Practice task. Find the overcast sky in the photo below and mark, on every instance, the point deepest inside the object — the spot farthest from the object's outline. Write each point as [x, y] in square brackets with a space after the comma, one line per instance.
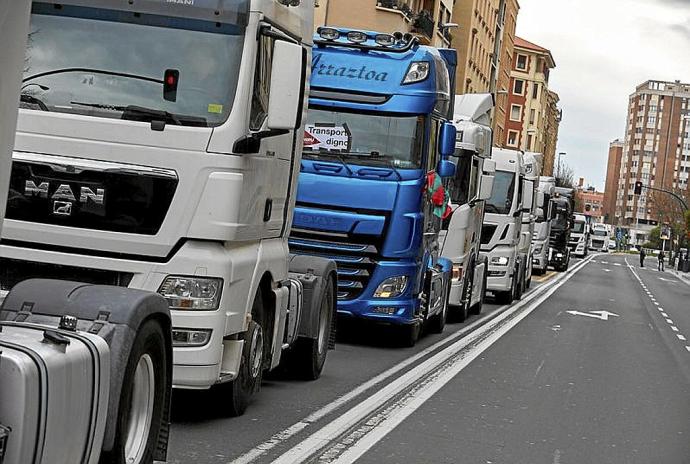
[603, 50]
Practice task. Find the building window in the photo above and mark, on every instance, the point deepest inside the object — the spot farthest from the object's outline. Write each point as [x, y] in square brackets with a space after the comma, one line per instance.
[512, 138]
[535, 90]
[518, 87]
[515, 112]
[532, 116]
[521, 63]
[529, 142]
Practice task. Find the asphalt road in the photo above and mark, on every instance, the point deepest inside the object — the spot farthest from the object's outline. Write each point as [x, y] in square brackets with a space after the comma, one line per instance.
[529, 383]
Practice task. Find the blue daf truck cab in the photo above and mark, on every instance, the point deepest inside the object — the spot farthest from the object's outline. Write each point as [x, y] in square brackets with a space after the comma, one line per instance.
[370, 192]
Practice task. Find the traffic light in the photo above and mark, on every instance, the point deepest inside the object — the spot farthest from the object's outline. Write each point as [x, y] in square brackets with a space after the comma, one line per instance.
[638, 188]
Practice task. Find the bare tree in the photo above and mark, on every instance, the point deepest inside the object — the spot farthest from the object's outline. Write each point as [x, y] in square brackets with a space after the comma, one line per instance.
[565, 177]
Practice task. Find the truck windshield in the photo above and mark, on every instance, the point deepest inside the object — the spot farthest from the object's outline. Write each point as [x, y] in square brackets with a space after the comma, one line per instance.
[579, 227]
[501, 200]
[104, 62]
[599, 233]
[365, 139]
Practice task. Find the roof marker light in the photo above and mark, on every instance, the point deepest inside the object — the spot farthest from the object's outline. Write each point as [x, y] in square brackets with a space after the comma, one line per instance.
[328, 33]
[357, 37]
[385, 40]
[417, 72]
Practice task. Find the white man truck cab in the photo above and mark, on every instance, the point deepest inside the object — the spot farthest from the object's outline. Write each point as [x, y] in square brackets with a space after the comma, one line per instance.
[533, 163]
[158, 148]
[471, 186]
[502, 227]
[579, 236]
[599, 238]
[542, 228]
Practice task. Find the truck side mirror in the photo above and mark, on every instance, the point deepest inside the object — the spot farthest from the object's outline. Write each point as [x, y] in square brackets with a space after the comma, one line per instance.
[447, 136]
[528, 196]
[486, 186]
[446, 168]
[286, 86]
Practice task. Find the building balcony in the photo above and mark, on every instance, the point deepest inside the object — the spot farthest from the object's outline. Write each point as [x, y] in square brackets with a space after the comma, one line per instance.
[400, 5]
[423, 24]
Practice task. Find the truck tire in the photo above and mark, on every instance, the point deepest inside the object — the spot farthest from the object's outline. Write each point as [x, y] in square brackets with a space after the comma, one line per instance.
[520, 284]
[437, 323]
[309, 355]
[461, 312]
[238, 393]
[477, 309]
[142, 400]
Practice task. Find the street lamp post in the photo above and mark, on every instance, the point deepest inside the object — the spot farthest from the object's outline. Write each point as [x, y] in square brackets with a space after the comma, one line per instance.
[558, 173]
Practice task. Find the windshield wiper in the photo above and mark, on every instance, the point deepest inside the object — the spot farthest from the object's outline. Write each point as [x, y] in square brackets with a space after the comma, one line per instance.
[337, 156]
[388, 161]
[94, 71]
[143, 114]
[32, 100]
[490, 208]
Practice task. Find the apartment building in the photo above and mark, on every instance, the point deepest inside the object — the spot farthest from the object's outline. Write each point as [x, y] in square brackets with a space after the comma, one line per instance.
[613, 173]
[656, 152]
[506, 49]
[424, 18]
[532, 116]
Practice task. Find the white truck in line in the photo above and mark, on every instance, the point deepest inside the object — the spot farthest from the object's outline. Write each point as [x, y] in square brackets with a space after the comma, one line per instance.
[533, 163]
[600, 238]
[542, 229]
[157, 148]
[502, 229]
[469, 189]
[579, 236]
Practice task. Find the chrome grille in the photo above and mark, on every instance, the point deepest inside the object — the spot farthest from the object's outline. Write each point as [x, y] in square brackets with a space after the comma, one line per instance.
[355, 258]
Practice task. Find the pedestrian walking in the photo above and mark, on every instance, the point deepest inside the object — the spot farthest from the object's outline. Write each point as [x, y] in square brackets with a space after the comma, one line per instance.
[643, 255]
[661, 262]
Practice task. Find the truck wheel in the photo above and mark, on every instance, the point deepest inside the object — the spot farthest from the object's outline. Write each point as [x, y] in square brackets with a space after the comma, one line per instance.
[477, 309]
[142, 400]
[520, 284]
[461, 312]
[438, 322]
[248, 381]
[309, 355]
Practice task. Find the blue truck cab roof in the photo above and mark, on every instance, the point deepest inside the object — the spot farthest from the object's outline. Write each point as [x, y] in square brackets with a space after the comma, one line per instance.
[369, 77]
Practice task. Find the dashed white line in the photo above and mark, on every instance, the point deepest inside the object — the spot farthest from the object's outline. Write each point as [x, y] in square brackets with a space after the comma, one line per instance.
[669, 321]
[681, 337]
[674, 328]
[687, 348]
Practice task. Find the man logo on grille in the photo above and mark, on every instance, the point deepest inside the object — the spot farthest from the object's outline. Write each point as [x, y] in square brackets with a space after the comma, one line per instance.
[62, 208]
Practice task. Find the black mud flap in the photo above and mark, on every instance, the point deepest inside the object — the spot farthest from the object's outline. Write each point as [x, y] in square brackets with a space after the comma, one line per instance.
[315, 273]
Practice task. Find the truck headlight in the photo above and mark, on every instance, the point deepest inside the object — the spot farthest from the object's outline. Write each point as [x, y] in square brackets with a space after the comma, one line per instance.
[500, 261]
[417, 72]
[391, 287]
[193, 293]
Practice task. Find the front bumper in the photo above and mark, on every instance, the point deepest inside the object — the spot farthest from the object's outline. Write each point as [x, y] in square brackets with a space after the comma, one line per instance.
[193, 367]
[402, 310]
[500, 278]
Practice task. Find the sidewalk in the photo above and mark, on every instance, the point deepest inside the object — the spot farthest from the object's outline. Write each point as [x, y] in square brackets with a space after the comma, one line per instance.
[684, 276]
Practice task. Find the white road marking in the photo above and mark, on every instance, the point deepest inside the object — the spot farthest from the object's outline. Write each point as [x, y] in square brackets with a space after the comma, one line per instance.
[617, 264]
[604, 262]
[286, 434]
[602, 315]
[606, 270]
[661, 310]
[426, 379]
